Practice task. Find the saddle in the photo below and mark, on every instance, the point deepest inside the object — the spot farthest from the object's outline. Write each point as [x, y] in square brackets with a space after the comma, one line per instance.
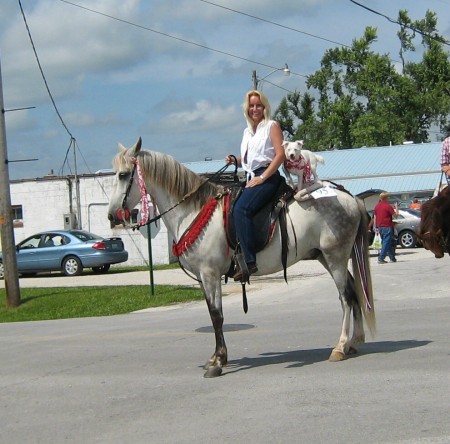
[265, 220]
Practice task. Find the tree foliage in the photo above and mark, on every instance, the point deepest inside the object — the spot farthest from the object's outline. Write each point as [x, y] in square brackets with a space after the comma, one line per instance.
[361, 98]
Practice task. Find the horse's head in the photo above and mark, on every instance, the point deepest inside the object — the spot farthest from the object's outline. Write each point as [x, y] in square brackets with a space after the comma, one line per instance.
[434, 226]
[126, 193]
[433, 242]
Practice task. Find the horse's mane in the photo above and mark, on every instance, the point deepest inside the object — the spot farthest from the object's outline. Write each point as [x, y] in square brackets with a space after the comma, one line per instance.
[168, 173]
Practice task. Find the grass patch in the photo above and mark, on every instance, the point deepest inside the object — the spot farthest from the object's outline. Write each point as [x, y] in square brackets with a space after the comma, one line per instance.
[172, 266]
[79, 302]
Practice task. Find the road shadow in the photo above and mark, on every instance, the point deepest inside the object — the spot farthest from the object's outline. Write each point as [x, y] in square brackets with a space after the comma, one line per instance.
[301, 358]
[226, 328]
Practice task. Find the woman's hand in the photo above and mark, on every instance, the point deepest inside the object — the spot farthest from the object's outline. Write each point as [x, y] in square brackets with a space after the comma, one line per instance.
[257, 180]
[229, 160]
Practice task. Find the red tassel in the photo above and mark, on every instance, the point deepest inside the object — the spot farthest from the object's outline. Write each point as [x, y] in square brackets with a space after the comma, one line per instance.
[191, 235]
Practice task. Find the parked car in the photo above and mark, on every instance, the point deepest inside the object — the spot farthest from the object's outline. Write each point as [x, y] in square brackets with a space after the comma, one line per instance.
[407, 224]
[67, 250]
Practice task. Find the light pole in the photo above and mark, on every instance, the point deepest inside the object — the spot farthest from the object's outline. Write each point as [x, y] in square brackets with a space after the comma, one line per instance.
[257, 81]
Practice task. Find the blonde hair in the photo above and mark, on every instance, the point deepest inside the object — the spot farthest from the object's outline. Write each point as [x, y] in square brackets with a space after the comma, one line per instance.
[384, 196]
[264, 101]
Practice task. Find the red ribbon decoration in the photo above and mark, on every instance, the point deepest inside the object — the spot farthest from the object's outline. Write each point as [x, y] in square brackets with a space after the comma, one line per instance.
[194, 230]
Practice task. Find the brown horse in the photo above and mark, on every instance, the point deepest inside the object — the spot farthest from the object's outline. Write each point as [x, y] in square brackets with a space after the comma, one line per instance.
[434, 228]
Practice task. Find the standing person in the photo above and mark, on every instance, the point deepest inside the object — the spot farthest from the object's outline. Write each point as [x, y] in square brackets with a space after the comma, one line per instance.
[445, 156]
[262, 154]
[415, 204]
[383, 220]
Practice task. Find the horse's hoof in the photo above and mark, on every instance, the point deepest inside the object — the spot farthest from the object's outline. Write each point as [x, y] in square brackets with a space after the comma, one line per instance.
[213, 372]
[336, 356]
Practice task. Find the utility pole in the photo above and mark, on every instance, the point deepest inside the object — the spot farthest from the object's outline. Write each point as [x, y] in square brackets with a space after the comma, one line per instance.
[256, 81]
[6, 220]
[77, 185]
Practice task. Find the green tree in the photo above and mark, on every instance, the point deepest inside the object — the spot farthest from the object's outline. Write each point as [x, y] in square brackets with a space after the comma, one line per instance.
[361, 98]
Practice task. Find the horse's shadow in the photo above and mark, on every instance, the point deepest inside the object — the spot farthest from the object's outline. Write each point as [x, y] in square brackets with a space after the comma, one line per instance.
[301, 358]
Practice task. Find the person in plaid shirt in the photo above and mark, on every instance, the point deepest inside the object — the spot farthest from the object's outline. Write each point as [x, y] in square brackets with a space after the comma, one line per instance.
[445, 156]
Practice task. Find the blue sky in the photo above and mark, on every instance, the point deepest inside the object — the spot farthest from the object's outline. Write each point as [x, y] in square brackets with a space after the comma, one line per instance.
[135, 75]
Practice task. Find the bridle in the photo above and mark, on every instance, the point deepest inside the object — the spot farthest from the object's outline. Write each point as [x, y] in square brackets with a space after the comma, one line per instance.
[123, 210]
[130, 183]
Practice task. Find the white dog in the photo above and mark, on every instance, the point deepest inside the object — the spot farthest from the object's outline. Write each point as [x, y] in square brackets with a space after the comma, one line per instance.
[301, 163]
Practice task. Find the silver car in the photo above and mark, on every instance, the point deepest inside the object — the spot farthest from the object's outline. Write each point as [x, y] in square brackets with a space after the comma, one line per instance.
[67, 250]
[406, 226]
[407, 223]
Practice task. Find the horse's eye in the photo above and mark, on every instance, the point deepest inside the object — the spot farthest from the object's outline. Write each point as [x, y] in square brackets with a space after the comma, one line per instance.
[123, 175]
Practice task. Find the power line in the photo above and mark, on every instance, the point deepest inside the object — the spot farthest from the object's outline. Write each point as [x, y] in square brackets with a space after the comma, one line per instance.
[165, 34]
[437, 39]
[275, 24]
[42, 72]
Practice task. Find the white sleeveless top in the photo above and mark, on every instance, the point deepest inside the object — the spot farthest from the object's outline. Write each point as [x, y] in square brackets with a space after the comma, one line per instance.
[257, 149]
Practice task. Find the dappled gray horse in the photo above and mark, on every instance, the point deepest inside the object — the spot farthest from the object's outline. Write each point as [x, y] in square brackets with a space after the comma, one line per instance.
[331, 230]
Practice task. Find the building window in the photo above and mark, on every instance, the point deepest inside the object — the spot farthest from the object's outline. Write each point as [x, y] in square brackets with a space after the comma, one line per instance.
[17, 212]
[17, 215]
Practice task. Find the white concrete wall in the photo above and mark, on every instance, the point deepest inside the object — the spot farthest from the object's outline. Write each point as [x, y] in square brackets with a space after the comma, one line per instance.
[45, 202]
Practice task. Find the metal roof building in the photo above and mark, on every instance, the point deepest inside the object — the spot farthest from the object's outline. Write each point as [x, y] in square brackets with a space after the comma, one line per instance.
[399, 169]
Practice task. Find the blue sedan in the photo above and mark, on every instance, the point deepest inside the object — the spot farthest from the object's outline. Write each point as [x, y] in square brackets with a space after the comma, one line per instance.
[67, 250]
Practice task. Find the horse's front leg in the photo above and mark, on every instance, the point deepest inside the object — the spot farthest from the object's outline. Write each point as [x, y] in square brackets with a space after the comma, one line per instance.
[212, 289]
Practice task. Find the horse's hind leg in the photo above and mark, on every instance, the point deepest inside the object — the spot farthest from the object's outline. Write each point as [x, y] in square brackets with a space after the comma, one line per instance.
[340, 275]
[212, 290]
[359, 336]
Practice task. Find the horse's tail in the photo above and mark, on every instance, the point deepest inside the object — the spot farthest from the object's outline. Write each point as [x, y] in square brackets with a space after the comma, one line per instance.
[361, 270]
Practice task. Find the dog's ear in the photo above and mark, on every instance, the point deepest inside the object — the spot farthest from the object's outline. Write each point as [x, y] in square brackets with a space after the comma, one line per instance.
[284, 144]
[300, 143]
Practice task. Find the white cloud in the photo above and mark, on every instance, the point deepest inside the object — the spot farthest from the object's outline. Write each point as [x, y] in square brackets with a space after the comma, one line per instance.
[112, 81]
[203, 116]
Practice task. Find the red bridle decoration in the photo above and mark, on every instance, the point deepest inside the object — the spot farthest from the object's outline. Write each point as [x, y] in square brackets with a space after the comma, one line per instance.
[124, 213]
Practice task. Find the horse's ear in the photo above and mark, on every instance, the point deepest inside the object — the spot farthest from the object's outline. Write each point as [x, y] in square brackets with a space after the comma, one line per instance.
[121, 148]
[134, 150]
[138, 145]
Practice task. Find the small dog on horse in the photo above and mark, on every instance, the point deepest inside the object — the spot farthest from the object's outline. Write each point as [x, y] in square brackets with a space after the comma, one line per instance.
[301, 163]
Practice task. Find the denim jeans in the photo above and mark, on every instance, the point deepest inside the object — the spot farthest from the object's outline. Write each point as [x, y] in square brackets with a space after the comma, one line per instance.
[249, 203]
[386, 234]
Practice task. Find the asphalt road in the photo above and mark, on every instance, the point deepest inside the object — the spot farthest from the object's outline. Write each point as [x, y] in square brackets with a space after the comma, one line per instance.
[137, 378]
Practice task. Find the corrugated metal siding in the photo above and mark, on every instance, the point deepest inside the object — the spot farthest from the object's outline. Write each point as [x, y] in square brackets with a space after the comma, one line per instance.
[395, 185]
[381, 161]
[397, 169]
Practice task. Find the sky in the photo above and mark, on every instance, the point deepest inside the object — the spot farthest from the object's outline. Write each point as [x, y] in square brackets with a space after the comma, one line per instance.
[173, 72]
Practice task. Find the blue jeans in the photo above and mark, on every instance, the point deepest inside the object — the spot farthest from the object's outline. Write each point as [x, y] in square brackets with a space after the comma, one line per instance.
[386, 234]
[249, 203]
